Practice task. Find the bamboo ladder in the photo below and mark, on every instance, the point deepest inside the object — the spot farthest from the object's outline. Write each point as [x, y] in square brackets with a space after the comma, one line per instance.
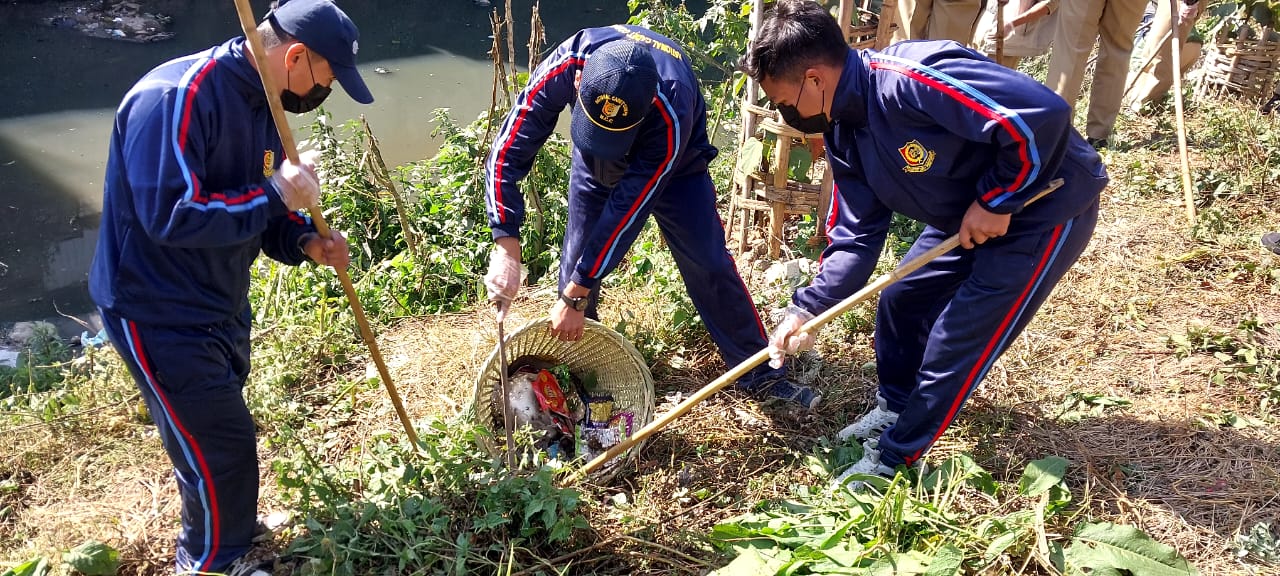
[766, 190]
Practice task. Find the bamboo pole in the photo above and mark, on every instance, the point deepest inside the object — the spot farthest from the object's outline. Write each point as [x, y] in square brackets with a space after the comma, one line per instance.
[758, 358]
[250, 28]
[884, 30]
[1188, 193]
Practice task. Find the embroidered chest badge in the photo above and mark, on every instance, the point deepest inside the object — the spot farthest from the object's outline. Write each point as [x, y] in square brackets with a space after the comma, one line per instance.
[268, 163]
[917, 157]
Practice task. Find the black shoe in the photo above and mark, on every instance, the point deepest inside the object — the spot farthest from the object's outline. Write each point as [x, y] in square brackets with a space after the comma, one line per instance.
[1271, 104]
[787, 391]
[1097, 143]
[1271, 241]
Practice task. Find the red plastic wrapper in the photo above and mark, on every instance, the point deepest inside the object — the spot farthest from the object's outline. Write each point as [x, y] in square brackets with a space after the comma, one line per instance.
[551, 399]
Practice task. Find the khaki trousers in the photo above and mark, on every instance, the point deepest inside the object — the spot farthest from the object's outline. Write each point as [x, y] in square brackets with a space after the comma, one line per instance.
[937, 20]
[1112, 24]
[1152, 84]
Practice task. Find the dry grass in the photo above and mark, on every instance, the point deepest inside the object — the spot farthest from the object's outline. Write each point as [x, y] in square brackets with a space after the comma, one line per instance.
[1158, 463]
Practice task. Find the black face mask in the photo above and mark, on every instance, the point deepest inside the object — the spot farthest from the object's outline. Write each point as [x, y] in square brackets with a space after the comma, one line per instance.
[607, 172]
[816, 124]
[307, 102]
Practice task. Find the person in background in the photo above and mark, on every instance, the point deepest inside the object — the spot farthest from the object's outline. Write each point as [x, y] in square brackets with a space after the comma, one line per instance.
[640, 147]
[1111, 25]
[1029, 26]
[938, 133]
[196, 186]
[937, 20]
[1152, 83]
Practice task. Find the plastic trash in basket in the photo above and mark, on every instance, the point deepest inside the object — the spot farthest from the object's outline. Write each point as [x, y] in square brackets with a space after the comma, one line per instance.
[619, 400]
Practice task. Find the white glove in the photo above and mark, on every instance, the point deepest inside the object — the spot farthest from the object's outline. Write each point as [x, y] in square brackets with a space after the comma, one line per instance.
[297, 184]
[1187, 14]
[786, 340]
[503, 278]
[1009, 29]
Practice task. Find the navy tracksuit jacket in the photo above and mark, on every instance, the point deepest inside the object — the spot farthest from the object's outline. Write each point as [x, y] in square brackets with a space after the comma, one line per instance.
[925, 129]
[665, 174]
[187, 207]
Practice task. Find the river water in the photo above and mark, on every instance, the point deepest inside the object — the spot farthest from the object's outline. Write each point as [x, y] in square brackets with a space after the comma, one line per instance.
[60, 89]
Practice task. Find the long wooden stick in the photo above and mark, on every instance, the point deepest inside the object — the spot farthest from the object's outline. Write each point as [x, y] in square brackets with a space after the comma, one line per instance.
[758, 358]
[1187, 193]
[1000, 31]
[505, 390]
[250, 28]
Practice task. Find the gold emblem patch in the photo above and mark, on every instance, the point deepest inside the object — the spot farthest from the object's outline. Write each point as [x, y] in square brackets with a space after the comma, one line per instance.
[917, 157]
[268, 163]
[610, 106]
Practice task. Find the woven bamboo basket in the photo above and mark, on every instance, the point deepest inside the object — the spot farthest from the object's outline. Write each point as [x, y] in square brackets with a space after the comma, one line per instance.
[1244, 66]
[619, 369]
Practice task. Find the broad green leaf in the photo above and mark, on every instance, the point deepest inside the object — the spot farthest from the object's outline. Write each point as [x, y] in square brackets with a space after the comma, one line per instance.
[947, 561]
[818, 466]
[842, 555]
[798, 164]
[750, 156]
[1113, 548]
[836, 536]
[1042, 474]
[93, 558]
[34, 567]
[1000, 544]
[753, 562]
[913, 562]
[732, 534]
[961, 468]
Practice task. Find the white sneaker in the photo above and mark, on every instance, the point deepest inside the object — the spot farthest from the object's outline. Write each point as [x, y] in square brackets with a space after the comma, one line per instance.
[868, 465]
[243, 566]
[872, 424]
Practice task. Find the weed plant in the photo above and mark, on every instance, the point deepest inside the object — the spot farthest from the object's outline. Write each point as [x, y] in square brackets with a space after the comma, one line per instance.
[449, 508]
[38, 363]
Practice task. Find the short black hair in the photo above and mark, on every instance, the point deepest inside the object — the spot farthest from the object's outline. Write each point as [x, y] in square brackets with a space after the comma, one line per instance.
[795, 35]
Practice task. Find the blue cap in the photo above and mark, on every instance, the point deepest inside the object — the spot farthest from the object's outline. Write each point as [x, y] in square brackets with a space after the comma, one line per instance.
[616, 90]
[325, 29]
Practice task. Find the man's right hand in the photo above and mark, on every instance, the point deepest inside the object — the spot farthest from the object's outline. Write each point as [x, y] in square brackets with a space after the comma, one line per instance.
[503, 278]
[298, 185]
[787, 337]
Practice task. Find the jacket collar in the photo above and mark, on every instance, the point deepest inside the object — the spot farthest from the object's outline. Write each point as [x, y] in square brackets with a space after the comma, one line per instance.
[849, 105]
[233, 55]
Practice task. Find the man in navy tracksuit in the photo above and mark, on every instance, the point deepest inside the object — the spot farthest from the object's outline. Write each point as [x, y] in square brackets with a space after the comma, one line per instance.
[196, 187]
[945, 136]
[640, 147]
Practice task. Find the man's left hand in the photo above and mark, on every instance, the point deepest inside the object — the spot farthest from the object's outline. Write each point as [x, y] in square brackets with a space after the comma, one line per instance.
[1187, 15]
[331, 251]
[979, 225]
[567, 324]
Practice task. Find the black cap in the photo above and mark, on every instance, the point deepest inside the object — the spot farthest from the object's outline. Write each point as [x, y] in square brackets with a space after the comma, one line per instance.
[616, 90]
[326, 29]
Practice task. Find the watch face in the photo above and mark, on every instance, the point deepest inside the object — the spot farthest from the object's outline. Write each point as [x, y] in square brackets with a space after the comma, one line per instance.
[578, 304]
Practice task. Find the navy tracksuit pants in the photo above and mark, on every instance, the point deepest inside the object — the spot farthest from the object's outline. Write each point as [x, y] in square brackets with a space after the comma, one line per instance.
[686, 214]
[191, 378]
[940, 329]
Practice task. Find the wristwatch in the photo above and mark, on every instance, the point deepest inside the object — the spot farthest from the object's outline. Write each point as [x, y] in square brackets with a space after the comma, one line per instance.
[579, 304]
[302, 244]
